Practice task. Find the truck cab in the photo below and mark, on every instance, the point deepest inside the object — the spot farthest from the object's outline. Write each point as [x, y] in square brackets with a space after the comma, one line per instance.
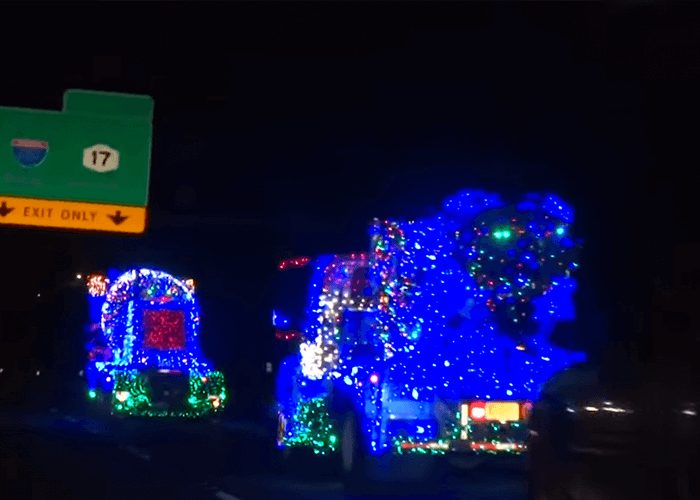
[143, 350]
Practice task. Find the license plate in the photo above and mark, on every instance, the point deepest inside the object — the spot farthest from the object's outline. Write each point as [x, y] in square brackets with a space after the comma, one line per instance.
[502, 411]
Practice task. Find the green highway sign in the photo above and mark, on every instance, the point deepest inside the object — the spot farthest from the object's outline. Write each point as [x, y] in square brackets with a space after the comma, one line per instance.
[92, 157]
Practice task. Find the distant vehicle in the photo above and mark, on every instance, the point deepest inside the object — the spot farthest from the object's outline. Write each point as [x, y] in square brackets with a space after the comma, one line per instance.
[433, 342]
[616, 430]
[143, 353]
[628, 423]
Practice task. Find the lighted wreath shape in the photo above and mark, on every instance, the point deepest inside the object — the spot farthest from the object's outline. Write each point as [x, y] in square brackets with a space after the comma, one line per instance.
[517, 253]
[149, 310]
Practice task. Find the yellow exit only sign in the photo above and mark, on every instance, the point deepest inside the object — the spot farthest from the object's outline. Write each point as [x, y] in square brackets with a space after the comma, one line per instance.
[72, 215]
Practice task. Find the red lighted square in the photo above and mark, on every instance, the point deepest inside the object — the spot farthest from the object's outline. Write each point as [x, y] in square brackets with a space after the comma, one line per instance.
[164, 329]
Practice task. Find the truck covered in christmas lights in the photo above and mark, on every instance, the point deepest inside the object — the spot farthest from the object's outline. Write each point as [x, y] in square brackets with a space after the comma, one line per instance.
[437, 339]
[143, 350]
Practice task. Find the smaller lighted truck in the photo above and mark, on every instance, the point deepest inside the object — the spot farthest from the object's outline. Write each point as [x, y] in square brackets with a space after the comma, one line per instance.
[143, 350]
[435, 341]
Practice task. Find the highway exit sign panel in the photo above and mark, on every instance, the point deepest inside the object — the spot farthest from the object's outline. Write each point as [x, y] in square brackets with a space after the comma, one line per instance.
[85, 167]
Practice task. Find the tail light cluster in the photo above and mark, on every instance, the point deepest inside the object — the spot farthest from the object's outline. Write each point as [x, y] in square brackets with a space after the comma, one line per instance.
[525, 409]
[477, 410]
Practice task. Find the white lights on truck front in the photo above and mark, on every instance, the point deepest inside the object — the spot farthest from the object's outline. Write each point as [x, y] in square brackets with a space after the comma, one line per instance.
[122, 396]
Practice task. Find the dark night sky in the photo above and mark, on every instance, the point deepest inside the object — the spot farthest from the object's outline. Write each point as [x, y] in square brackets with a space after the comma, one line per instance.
[289, 126]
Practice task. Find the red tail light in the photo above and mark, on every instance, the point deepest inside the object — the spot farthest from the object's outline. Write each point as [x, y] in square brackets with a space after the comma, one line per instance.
[477, 410]
[525, 409]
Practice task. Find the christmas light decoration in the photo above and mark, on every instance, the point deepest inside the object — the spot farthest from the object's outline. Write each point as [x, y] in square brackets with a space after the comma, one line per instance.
[97, 285]
[164, 329]
[461, 307]
[288, 335]
[342, 288]
[516, 269]
[149, 325]
[293, 263]
[440, 288]
[311, 426]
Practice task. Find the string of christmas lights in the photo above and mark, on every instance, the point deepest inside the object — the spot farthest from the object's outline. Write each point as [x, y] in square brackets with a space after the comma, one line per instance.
[311, 426]
[320, 355]
[97, 285]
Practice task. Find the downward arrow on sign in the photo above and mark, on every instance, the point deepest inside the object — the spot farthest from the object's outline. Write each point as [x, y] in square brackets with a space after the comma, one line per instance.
[117, 217]
[4, 209]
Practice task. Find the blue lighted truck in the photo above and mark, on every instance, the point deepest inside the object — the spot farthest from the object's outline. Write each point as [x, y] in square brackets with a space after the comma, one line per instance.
[435, 341]
[143, 348]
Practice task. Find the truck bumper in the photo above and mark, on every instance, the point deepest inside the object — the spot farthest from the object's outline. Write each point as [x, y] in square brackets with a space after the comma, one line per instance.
[460, 447]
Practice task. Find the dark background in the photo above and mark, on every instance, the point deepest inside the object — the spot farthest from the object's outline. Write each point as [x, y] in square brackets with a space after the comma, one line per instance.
[284, 128]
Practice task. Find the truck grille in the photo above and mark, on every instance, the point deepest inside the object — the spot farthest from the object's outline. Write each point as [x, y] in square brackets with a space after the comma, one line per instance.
[168, 390]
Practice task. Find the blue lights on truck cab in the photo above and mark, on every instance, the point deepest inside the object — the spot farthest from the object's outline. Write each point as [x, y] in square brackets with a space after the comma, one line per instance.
[461, 308]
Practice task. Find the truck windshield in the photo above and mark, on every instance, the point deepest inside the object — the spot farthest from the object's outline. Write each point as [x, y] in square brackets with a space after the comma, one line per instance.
[291, 297]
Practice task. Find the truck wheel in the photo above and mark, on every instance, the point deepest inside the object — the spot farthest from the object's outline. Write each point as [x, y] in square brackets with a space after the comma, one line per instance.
[353, 459]
[350, 458]
[365, 474]
[302, 461]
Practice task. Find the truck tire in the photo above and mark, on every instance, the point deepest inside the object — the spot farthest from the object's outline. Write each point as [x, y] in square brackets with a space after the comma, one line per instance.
[351, 454]
[302, 461]
[365, 474]
[353, 457]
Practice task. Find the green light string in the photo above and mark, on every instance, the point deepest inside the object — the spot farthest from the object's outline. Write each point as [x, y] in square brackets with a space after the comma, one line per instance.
[131, 395]
[312, 427]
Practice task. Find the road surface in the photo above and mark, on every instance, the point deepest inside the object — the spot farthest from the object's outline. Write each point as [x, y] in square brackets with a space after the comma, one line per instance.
[52, 454]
